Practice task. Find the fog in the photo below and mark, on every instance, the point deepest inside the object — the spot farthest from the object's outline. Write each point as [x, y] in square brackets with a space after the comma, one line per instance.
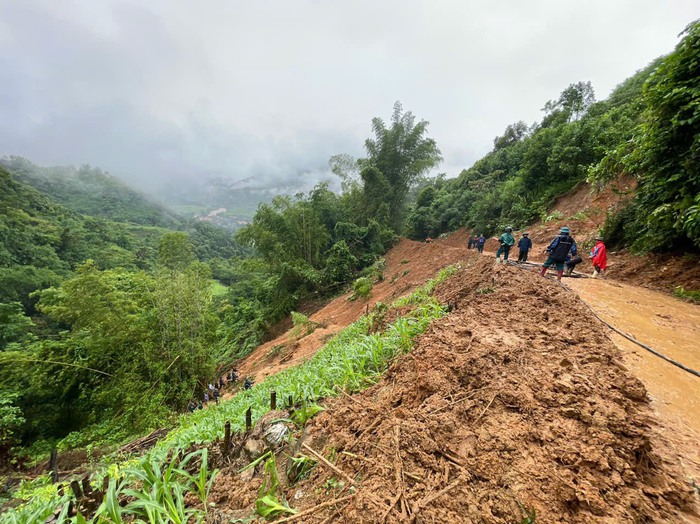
[263, 93]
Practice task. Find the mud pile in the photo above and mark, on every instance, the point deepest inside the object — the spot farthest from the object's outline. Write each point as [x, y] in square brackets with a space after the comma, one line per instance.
[514, 404]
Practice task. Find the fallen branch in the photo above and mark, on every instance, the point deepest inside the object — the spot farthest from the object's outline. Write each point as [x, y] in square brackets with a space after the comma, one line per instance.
[329, 464]
[424, 502]
[314, 509]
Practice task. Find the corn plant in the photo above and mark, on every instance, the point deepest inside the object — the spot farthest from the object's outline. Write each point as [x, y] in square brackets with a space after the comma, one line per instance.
[351, 360]
[268, 504]
[302, 415]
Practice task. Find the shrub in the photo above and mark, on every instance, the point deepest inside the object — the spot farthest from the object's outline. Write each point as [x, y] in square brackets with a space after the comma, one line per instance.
[362, 288]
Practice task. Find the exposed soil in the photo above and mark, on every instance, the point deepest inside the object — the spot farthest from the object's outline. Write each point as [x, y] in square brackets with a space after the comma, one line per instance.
[584, 212]
[516, 401]
[408, 265]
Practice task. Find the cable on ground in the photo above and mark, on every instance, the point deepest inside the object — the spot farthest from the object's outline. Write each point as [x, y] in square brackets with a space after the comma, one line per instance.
[616, 330]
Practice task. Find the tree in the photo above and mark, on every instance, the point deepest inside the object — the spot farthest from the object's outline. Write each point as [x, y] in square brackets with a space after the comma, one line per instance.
[396, 158]
[175, 251]
[574, 101]
[667, 158]
[513, 133]
[14, 325]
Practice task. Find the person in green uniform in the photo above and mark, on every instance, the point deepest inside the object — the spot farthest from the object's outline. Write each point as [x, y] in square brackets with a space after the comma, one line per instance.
[506, 240]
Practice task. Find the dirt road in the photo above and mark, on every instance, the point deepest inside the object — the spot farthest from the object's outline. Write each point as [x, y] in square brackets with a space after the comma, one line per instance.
[671, 327]
[662, 322]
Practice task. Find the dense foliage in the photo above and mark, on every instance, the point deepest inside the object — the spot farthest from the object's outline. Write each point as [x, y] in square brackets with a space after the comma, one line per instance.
[109, 327]
[103, 324]
[663, 153]
[648, 128]
[91, 191]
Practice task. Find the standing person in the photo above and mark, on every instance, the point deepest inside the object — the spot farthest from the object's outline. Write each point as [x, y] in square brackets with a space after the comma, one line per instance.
[206, 397]
[480, 243]
[599, 257]
[558, 251]
[216, 395]
[524, 246]
[506, 240]
[221, 382]
[471, 242]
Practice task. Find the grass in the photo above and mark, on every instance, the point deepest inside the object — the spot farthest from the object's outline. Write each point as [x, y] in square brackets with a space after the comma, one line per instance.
[352, 360]
[691, 295]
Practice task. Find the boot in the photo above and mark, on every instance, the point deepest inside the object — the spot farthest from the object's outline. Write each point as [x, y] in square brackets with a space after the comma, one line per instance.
[568, 271]
[559, 274]
[543, 271]
[595, 274]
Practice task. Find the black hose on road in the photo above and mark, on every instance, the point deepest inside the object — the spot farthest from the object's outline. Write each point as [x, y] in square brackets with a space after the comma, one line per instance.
[616, 330]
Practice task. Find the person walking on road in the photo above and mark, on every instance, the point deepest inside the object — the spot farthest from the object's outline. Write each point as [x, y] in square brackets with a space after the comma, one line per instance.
[524, 247]
[480, 243]
[561, 246]
[470, 244]
[506, 240]
[598, 257]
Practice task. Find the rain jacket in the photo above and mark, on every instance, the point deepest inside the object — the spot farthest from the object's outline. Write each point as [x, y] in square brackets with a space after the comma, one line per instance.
[598, 256]
[561, 246]
[524, 244]
[507, 239]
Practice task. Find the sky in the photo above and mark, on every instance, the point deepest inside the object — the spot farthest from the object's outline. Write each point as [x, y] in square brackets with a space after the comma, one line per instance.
[262, 93]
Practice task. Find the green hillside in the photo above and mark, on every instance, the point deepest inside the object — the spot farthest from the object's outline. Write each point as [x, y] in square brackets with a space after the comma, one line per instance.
[92, 191]
[647, 128]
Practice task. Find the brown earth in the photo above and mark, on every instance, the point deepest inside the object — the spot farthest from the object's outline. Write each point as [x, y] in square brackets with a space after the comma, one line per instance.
[516, 401]
[584, 212]
[408, 265]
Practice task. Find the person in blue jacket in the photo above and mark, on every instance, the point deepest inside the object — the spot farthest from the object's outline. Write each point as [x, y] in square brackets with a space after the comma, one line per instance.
[558, 250]
[480, 243]
[524, 246]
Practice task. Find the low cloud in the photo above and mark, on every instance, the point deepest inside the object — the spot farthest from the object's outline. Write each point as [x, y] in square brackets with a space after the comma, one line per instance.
[264, 93]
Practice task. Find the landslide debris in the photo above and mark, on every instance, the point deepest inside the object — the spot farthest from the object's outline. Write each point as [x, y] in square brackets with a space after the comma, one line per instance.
[516, 402]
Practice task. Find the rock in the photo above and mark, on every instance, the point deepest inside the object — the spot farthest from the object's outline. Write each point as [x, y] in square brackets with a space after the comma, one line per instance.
[275, 434]
[253, 448]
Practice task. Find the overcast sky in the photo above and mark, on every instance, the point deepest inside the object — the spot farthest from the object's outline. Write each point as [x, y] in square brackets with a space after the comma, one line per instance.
[155, 90]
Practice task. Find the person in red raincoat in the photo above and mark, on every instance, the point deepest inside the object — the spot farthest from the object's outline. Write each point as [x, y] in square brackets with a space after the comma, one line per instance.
[598, 257]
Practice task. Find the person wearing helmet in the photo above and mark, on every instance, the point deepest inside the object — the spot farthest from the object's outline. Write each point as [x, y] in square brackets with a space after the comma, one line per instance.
[506, 240]
[561, 246]
[524, 247]
[598, 257]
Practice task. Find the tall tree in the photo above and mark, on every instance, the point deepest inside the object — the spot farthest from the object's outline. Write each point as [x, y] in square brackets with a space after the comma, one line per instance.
[397, 157]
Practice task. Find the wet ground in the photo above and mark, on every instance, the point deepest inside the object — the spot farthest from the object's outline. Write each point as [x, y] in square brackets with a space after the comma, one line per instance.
[666, 324]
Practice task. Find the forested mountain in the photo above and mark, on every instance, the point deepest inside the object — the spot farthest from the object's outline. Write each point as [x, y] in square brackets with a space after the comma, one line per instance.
[91, 191]
[108, 328]
[90, 308]
[649, 128]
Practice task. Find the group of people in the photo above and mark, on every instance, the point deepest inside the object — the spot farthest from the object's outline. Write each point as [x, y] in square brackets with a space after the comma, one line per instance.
[476, 242]
[213, 391]
[562, 252]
